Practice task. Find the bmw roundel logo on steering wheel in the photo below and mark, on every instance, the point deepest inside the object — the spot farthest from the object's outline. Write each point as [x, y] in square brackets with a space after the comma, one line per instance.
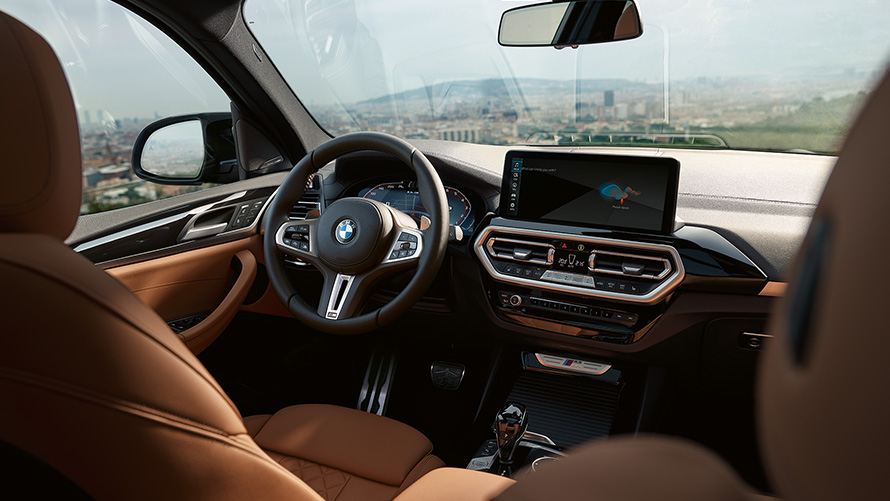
[346, 231]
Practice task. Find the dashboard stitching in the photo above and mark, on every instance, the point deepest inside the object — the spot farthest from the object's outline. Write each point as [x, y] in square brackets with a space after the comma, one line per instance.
[722, 197]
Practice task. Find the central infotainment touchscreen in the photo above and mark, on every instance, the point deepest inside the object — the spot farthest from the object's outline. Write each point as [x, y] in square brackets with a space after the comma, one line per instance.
[602, 191]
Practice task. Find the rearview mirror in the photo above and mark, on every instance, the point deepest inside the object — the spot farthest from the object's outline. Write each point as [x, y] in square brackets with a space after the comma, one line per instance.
[188, 149]
[569, 24]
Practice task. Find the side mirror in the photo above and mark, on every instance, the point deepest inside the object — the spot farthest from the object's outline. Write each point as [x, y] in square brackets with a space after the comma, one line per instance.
[187, 149]
[569, 24]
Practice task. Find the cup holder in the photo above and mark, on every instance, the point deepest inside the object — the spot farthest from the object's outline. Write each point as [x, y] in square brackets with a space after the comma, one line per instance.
[542, 462]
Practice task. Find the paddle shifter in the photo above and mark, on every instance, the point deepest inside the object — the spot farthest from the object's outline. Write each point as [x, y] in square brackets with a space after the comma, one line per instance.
[509, 426]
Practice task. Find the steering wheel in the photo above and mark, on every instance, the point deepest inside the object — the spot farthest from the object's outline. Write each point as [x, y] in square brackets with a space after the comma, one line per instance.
[356, 241]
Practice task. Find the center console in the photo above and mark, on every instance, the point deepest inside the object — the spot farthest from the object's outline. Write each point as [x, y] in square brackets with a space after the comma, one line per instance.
[589, 246]
[579, 246]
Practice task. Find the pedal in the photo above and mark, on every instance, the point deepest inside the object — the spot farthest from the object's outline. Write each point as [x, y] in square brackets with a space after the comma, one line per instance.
[446, 375]
[378, 382]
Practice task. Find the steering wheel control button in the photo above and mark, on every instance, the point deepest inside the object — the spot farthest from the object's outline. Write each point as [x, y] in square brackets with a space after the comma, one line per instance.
[297, 237]
[406, 246]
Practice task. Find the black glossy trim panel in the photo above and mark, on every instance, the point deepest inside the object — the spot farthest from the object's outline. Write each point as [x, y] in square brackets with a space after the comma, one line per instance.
[711, 262]
[163, 230]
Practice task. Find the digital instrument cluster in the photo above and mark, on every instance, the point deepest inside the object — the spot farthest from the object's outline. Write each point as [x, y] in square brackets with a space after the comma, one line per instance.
[404, 196]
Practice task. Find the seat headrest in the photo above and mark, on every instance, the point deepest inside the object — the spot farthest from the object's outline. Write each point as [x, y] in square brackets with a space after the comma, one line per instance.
[823, 409]
[40, 191]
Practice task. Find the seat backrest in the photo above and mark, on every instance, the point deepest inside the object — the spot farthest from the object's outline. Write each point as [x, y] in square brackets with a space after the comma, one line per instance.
[92, 381]
[823, 410]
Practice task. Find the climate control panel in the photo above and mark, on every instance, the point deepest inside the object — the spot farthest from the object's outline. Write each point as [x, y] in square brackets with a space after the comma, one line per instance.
[579, 311]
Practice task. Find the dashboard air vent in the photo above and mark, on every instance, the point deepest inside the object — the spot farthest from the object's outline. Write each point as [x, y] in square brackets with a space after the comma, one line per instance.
[310, 201]
[520, 250]
[629, 265]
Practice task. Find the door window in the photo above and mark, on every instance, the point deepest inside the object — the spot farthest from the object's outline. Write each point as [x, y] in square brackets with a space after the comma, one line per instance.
[124, 74]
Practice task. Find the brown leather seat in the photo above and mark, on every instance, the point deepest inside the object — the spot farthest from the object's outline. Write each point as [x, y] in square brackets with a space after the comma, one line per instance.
[94, 383]
[344, 453]
[823, 412]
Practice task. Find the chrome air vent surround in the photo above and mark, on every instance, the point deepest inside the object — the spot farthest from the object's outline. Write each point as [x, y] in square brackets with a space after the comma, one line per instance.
[654, 270]
[630, 265]
[520, 250]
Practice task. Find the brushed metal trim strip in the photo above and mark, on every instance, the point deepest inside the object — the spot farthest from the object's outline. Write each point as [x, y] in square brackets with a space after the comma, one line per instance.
[601, 368]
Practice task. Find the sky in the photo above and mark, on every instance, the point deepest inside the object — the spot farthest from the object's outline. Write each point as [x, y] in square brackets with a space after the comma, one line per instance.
[350, 50]
[708, 38]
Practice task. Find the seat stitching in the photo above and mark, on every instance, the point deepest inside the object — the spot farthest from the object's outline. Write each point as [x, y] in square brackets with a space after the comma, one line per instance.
[184, 427]
[48, 185]
[311, 473]
[414, 474]
[79, 392]
[349, 477]
[182, 282]
[327, 466]
[261, 427]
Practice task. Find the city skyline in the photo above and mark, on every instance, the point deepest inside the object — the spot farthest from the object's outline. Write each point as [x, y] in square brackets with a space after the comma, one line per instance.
[120, 63]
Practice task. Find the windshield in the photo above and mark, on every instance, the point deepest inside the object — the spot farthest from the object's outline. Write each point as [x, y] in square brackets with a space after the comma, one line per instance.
[767, 75]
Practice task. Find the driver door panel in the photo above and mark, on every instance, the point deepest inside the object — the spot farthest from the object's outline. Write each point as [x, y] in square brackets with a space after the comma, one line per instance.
[212, 281]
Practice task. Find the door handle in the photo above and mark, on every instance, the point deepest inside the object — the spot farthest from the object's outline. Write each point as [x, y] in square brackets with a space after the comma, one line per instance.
[204, 231]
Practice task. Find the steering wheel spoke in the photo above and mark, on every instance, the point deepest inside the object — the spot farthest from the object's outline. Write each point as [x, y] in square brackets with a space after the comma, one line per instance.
[339, 296]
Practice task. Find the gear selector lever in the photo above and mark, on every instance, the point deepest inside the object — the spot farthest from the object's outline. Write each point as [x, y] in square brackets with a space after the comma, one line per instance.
[509, 426]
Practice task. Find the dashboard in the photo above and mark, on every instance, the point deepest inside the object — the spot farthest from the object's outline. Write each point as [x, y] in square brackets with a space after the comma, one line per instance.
[542, 271]
[565, 243]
